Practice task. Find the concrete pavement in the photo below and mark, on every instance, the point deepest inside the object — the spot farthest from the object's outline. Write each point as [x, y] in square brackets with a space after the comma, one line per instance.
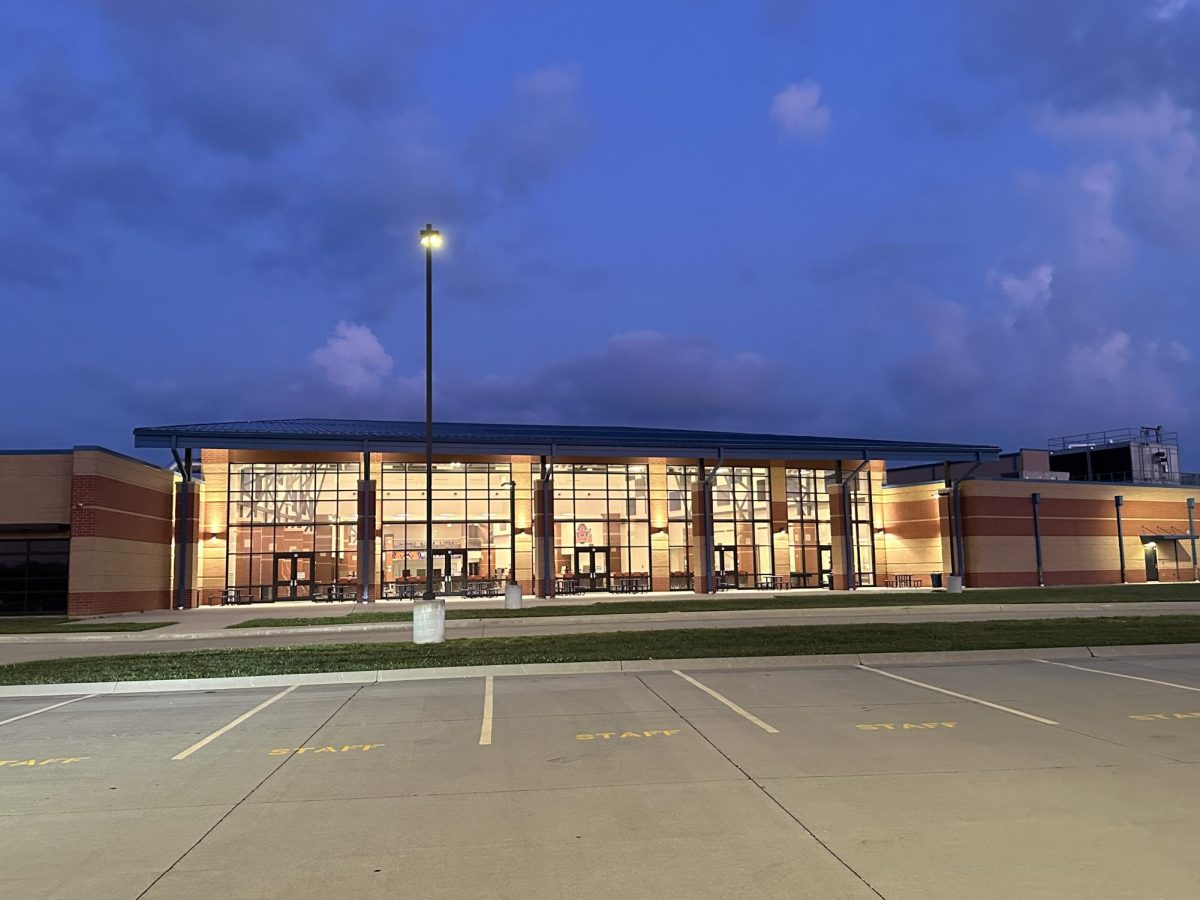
[983, 780]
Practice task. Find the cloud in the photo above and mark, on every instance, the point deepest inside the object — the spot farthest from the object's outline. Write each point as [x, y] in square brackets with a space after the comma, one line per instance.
[798, 112]
[1167, 10]
[353, 358]
[633, 378]
[541, 128]
[1080, 55]
[286, 137]
[1030, 293]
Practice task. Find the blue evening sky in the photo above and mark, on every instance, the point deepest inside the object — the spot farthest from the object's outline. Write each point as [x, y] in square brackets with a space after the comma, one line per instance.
[940, 219]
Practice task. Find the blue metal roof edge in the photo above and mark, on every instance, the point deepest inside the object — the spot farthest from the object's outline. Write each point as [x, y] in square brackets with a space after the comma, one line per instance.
[542, 439]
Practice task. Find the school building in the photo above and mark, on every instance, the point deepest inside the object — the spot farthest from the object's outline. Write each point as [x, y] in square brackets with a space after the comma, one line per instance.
[328, 509]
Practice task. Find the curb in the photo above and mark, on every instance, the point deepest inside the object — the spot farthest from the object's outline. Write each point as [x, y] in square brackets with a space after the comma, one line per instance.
[370, 676]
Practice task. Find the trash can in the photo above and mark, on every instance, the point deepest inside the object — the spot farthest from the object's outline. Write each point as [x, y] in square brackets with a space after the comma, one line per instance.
[954, 584]
[935, 579]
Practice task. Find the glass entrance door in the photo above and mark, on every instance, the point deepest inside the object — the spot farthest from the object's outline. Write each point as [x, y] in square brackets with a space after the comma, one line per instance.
[1152, 562]
[450, 571]
[591, 564]
[725, 565]
[293, 576]
[825, 565]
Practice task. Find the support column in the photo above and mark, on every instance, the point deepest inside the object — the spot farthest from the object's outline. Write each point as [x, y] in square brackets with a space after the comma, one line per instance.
[368, 564]
[522, 474]
[781, 548]
[703, 569]
[543, 535]
[660, 541]
[839, 578]
[1191, 505]
[1037, 538]
[187, 538]
[1118, 502]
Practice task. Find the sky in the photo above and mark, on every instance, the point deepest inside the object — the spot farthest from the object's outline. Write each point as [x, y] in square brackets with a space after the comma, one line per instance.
[931, 220]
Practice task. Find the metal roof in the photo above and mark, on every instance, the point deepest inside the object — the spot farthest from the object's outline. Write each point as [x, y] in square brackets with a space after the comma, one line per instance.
[537, 440]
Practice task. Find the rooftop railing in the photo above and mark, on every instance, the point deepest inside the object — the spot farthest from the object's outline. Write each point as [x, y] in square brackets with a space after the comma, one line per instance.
[1092, 439]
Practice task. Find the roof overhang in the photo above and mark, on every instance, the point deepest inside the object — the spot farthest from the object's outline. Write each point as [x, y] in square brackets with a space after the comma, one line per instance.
[536, 440]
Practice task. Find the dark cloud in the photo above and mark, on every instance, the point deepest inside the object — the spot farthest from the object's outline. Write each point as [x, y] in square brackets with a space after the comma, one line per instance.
[541, 128]
[1076, 55]
[881, 264]
[252, 78]
[640, 378]
[287, 135]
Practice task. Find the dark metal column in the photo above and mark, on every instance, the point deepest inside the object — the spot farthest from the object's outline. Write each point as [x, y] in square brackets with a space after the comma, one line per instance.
[183, 527]
[1191, 505]
[367, 557]
[429, 595]
[1119, 501]
[851, 538]
[1037, 538]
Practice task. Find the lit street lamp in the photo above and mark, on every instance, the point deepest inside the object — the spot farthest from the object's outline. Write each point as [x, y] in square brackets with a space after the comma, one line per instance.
[429, 613]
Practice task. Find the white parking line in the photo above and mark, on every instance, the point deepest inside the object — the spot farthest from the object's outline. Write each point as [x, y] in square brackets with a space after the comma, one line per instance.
[737, 709]
[485, 731]
[1050, 662]
[47, 709]
[234, 724]
[969, 699]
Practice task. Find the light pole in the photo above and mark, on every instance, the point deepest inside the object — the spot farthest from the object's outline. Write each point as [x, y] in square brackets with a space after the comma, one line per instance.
[512, 590]
[429, 613]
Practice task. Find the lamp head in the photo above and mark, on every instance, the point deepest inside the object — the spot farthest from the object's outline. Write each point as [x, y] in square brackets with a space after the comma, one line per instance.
[431, 238]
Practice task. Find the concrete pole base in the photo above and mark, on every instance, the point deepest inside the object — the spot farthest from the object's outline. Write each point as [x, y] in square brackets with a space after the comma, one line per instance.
[954, 584]
[512, 595]
[429, 621]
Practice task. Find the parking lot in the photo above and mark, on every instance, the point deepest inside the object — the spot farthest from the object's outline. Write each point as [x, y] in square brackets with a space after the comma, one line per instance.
[1015, 779]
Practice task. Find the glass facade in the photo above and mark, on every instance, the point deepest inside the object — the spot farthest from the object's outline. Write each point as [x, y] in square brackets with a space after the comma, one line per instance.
[742, 525]
[33, 576]
[292, 527]
[862, 525]
[681, 481]
[472, 523]
[601, 522]
[809, 537]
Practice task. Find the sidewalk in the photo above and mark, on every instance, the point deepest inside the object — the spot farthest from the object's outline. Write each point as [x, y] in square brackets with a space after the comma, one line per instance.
[210, 618]
[23, 648]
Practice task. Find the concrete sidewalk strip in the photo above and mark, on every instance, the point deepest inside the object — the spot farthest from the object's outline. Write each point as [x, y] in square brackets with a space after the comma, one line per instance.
[746, 617]
[369, 676]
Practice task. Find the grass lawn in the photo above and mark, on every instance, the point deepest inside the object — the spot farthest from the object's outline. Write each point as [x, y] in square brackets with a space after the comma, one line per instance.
[676, 644]
[1132, 593]
[61, 624]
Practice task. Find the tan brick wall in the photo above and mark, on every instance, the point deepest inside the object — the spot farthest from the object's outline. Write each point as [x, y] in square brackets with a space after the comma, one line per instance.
[911, 542]
[1079, 532]
[121, 521]
[214, 526]
[35, 488]
[660, 544]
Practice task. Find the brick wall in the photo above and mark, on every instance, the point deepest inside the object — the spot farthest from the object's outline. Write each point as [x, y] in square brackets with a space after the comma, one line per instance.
[1078, 524]
[121, 520]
